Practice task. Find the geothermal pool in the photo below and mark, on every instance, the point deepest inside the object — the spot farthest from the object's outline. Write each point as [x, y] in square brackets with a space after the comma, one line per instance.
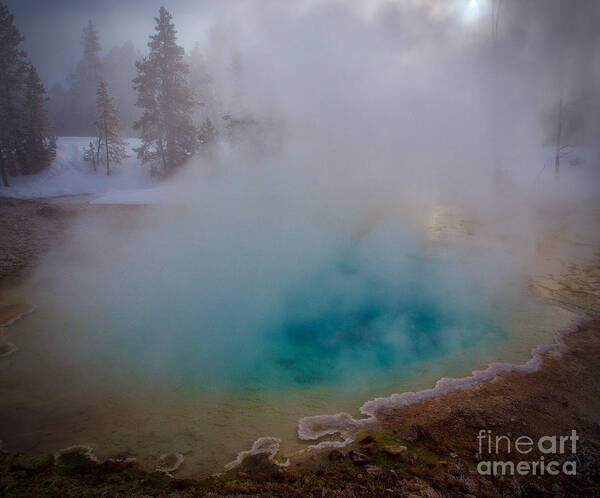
[139, 347]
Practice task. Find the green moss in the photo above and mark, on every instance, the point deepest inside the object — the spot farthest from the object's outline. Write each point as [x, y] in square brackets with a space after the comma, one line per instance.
[31, 463]
[75, 460]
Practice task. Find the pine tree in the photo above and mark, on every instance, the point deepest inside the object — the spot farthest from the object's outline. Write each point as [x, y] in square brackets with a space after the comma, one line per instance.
[92, 154]
[91, 48]
[169, 136]
[109, 145]
[37, 148]
[12, 71]
[118, 68]
[84, 81]
[207, 134]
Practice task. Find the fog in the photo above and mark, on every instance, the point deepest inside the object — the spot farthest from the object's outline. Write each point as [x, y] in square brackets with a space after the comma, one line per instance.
[298, 251]
[421, 76]
[372, 113]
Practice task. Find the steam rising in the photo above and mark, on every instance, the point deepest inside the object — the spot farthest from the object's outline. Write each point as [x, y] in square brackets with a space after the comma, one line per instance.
[373, 113]
[298, 256]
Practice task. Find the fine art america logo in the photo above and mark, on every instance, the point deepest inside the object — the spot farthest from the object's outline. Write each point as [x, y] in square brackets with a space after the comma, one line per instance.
[553, 460]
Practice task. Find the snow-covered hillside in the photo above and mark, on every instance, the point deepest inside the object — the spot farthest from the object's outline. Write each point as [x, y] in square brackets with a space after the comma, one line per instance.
[69, 174]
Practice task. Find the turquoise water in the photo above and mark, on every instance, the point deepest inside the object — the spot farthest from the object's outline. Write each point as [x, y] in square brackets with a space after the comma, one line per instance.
[359, 315]
[364, 327]
[151, 346]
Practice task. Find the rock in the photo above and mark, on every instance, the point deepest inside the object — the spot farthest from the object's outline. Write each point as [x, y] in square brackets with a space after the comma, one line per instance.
[424, 489]
[32, 463]
[335, 456]
[76, 458]
[258, 466]
[394, 450]
[367, 440]
[456, 469]
[358, 458]
[169, 462]
[373, 470]
[429, 492]
[415, 484]
[370, 448]
[415, 433]
[410, 435]
[7, 349]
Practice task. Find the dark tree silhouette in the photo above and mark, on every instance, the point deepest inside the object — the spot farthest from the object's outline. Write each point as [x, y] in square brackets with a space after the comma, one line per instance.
[169, 136]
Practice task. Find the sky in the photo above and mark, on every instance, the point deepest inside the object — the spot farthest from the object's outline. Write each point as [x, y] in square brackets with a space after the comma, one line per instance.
[52, 29]
[360, 61]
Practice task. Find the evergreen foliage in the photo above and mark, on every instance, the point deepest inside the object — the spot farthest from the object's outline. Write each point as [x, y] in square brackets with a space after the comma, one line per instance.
[25, 144]
[208, 133]
[84, 80]
[37, 149]
[169, 136]
[109, 147]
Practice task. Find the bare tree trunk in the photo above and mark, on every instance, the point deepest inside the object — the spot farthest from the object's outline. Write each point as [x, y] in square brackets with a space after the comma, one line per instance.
[162, 156]
[107, 161]
[558, 138]
[106, 144]
[3, 172]
[96, 160]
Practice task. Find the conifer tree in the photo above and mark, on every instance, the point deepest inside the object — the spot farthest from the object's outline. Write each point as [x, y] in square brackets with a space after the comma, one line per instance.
[109, 145]
[12, 70]
[92, 153]
[169, 136]
[91, 49]
[84, 80]
[37, 149]
[207, 134]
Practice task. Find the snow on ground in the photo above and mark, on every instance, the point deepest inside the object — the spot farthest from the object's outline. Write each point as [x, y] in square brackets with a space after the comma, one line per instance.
[69, 174]
[131, 183]
[133, 196]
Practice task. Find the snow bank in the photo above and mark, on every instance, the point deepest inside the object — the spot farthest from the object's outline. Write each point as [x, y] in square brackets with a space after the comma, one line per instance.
[153, 195]
[69, 174]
